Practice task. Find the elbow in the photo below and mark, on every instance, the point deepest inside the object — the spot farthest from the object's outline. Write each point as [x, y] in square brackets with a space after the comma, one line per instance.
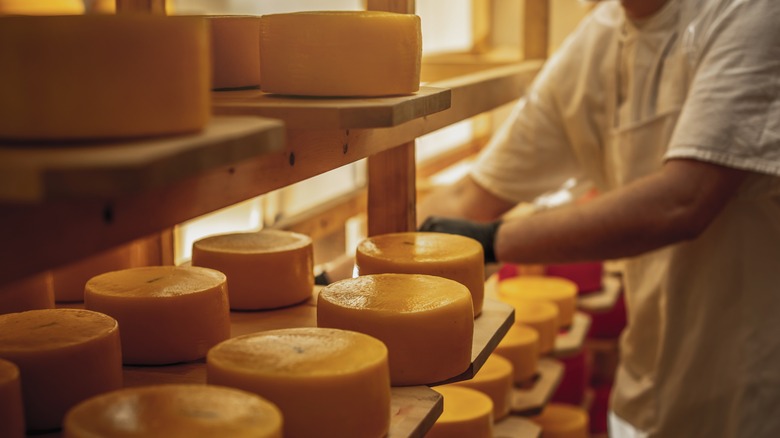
[688, 223]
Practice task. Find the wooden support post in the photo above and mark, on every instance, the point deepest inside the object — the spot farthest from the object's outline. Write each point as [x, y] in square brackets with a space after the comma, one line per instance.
[140, 6]
[536, 29]
[399, 6]
[481, 18]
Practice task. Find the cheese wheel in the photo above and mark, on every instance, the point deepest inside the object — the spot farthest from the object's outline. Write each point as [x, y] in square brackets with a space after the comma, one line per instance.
[93, 77]
[520, 346]
[495, 380]
[69, 280]
[174, 411]
[235, 51]
[30, 293]
[467, 413]
[560, 291]
[327, 382]
[426, 322]
[340, 53]
[559, 420]
[265, 270]
[445, 255]
[41, 7]
[542, 316]
[64, 357]
[11, 408]
[168, 314]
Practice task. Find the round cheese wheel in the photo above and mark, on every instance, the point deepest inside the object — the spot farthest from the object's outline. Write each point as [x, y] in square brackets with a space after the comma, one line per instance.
[64, 357]
[30, 293]
[560, 291]
[341, 53]
[69, 280]
[168, 314]
[326, 382]
[467, 413]
[426, 322]
[265, 270]
[174, 411]
[235, 51]
[91, 77]
[520, 346]
[559, 420]
[495, 380]
[542, 316]
[41, 7]
[11, 409]
[445, 255]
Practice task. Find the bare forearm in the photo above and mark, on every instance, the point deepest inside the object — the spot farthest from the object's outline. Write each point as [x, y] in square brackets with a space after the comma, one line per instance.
[464, 199]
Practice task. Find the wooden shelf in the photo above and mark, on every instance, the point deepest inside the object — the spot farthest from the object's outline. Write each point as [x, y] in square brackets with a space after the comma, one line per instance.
[572, 340]
[516, 427]
[605, 299]
[532, 399]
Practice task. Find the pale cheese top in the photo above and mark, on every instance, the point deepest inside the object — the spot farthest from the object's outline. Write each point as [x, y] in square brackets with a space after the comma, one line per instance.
[420, 247]
[463, 404]
[264, 241]
[156, 281]
[532, 287]
[51, 329]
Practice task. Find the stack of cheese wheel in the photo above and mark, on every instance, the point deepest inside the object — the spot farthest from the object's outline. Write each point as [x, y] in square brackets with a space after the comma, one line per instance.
[559, 420]
[69, 281]
[41, 7]
[445, 255]
[64, 357]
[340, 53]
[11, 409]
[168, 314]
[542, 316]
[175, 410]
[235, 51]
[327, 382]
[30, 293]
[426, 322]
[560, 291]
[103, 77]
[265, 270]
[467, 413]
[495, 380]
[520, 346]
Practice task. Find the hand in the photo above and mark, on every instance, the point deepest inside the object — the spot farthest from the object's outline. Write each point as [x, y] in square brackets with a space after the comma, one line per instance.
[482, 232]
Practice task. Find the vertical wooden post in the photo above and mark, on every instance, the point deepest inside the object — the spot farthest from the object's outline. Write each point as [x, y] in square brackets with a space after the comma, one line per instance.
[142, 6]
[536, 29]
[391, 173]
[481, 18]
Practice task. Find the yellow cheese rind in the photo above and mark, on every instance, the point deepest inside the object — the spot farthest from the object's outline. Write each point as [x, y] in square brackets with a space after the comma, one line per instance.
[11, 407]
[560, 291]
[559, 420]
[340, 53]
[64, 357]
[467, 413]
[445, 255]
[495, 380]
[542, 316]
[265, 270]
[174, 411]
[30, 293]
[93, 77]
[520, 346]
[168, 314]
[235, 51]
[426, 322]
[41, 7]
[326, 382]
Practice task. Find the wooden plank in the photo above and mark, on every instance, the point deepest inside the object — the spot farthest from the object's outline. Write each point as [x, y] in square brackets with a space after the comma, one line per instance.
[399, 6]
[333, 113]
[392, 192]
[141, 6]
[605, 299]
[516, 427]
[571, 340]
[532, 399]
[536, 29]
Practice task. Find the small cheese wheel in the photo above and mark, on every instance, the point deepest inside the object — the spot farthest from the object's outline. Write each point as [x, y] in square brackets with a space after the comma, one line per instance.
[41, 7]
[520, 346]
[69, 280]
[445, 255]
[426, 322]
[327, 382]
[495, 380]
[265, 270]
[341, 53]
[11, 408]
[30, 293]
[235, 51]
[93, 77]
[560, 291]
[542, 316]
[175, 411]
[168, 314]
[559, 420]
[64, 357]
[467, 413]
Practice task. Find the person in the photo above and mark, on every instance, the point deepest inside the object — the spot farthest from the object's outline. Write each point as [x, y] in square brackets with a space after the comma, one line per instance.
[670, 109]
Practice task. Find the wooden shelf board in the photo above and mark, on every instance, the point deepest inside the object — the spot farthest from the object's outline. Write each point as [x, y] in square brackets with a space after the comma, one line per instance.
[333, 113]
[605, 299]
[572, 340]
[514, 426]
[531, 400]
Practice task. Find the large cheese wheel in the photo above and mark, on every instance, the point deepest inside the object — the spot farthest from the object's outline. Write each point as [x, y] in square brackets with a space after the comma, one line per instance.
[41, 7]
[168, 314]
[265, 270]
[340, 53]
[542, 316]
[426, 322]
[11, 408]
[69, 280]
[235, 51]
[64, 357]
[102, 76]
[327, 382]
[559, 420]
[30, 293]
[445, 255]
[174, 411]
[495, 380]
[520, 346]
[560, 291]
[467, 413]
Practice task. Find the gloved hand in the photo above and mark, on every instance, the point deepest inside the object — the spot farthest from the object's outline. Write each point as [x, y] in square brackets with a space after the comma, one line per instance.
[483, 232]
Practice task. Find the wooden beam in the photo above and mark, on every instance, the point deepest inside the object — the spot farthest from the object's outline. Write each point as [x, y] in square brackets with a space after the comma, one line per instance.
[536, 29]
[399, 6]
[143, 6]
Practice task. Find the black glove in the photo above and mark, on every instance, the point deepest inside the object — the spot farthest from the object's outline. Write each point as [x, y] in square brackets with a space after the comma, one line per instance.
[322, 279]
[482, 232]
